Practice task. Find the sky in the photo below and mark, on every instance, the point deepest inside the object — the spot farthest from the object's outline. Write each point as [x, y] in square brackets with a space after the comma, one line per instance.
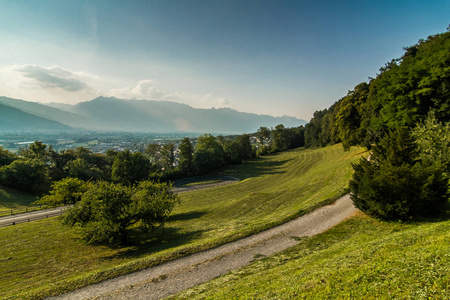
[267, 57]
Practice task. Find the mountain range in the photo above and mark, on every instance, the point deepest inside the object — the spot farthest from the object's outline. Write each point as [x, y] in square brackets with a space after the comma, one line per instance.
[113, 114]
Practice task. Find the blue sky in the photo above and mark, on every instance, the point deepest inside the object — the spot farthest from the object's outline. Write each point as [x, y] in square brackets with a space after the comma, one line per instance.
[267, 57]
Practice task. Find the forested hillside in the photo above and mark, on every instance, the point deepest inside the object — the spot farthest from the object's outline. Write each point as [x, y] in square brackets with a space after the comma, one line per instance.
[402, 94]
[403, 115]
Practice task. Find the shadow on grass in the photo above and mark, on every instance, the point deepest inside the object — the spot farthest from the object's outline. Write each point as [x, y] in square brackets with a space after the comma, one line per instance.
[257, 167]
[186, 216]
[144, 243]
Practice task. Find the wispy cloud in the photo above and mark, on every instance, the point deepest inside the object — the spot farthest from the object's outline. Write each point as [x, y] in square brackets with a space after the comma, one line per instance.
[209, 100]
[54, 78]
[145, 89]
[47, 84]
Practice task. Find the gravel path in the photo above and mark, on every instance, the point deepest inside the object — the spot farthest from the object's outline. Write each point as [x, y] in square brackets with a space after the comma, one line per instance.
[172, 277]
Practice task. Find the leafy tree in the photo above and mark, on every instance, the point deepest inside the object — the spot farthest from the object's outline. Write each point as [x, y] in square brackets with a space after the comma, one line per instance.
[168, 156]
[106, 211]
[129, 168]
[393, 184]
[65, 191]
[349, 116]
[186, 164]
[209, 154]
[232, 152]
[30, 175]
[433, 140]
[6, 157]
[36, 150]
[244, 146]
[153, 151]
[280, 140]
[263, 134]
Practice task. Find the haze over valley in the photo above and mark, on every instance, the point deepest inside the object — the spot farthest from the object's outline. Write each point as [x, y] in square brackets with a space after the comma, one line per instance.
[113, 114]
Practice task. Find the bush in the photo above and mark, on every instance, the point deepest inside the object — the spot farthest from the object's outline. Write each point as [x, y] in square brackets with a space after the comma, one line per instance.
[395, 185]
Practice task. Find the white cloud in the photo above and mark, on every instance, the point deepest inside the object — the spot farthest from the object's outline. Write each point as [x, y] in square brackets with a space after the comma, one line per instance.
[209, 100]
[145, 89]
[54, 78]
[46, 84]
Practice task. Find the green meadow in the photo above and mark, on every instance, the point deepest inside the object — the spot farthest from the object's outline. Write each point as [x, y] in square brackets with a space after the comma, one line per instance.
[43, 258]
[361, 258]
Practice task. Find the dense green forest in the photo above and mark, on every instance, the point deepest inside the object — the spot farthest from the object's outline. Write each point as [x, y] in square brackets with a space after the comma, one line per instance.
[403, 115]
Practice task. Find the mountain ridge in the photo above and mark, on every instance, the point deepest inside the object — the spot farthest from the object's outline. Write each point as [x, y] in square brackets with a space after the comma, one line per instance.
[131, 115]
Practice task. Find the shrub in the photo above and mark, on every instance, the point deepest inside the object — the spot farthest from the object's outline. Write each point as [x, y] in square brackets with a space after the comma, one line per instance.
[394, 185]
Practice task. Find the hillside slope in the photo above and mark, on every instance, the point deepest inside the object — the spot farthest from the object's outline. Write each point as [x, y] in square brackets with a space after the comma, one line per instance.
[273, 189]
[361, 258]
[166, 116]
[46, 112]
[13, 119]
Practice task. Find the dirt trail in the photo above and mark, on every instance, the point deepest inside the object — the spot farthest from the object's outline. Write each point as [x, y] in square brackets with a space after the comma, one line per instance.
[172, 277]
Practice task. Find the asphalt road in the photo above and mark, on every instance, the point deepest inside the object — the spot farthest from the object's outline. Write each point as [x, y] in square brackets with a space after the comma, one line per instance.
[178, 188]
[31, 216]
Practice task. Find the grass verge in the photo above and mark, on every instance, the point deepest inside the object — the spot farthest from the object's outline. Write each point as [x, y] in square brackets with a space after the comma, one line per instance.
[14, 200]
[42, 258]
[361, 258]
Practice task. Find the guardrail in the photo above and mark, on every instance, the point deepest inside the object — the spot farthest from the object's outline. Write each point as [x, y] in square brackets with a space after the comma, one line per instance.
[30, 218]
[11, 212]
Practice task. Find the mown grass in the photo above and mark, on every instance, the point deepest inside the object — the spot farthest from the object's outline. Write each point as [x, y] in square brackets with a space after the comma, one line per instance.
[202, 182]
[43, 258]
[361, 258]
[11, 199]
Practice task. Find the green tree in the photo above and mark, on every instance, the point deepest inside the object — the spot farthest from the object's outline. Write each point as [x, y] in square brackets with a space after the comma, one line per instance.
[263, 134]
[232, 152]
[209, 154]
[433, 140]
[168, 156]
[106, 211]
[394, 184]
[36, 150]
[6, 157]
[30, 175]
[349, 116]
[65, 191]
[279, 138]
[244, 145]
[129, 168]
[186, 164]
[153, 152]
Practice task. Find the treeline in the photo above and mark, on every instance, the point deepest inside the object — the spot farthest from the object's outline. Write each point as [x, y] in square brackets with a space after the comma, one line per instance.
[35, 167]
[401, 95]
[403, 116]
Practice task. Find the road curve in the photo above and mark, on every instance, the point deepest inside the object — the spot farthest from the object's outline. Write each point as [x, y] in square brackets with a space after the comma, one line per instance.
[174, 276]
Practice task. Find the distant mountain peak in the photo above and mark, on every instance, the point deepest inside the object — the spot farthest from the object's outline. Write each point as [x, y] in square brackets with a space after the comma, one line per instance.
[131, 115]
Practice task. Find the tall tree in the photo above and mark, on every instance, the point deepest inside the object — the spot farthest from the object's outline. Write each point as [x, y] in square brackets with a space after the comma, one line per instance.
[263, 134]
[209, 154]
[168, 156]
[186, 156]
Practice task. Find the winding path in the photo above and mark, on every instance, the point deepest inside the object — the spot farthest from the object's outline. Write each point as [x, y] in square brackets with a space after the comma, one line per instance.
[174, 276]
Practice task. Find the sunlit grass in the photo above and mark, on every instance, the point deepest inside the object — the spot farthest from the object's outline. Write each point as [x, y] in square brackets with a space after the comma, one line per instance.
[361, 258]
[43, 258]
[11, 199]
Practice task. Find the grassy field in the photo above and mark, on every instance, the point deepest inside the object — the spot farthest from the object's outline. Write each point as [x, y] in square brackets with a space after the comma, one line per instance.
[11, 199]
[42, 258]
[361, 258]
